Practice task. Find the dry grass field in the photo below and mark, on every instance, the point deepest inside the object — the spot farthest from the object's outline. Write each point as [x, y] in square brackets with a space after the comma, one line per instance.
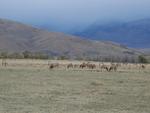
[28, 86]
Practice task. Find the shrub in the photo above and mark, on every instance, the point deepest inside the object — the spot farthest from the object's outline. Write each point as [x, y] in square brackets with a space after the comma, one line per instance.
[142, 59]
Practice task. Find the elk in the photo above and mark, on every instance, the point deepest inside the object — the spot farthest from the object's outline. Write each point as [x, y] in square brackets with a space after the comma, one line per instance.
[76, 66]
[53, 65]
[4, 63]
[105, 67]
[113, 67]
[142, 67]
[70, 66]
[91, 66]
[83, 65]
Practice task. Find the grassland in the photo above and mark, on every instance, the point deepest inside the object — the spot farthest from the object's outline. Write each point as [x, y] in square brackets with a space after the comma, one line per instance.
[29, 87]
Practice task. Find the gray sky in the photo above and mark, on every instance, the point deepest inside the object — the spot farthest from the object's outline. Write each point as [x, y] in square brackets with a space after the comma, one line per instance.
[73, 13]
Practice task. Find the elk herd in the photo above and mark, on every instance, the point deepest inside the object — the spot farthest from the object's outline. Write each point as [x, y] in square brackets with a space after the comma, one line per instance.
[108, 67]
[92, 66]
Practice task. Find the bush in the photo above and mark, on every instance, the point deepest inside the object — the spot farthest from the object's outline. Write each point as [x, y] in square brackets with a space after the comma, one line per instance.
[63, 57]
[142, 59]
[16, 55]
[3, 55]
[26, 54]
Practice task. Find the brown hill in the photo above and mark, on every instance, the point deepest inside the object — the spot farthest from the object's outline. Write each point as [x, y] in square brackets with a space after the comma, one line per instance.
[18, 37]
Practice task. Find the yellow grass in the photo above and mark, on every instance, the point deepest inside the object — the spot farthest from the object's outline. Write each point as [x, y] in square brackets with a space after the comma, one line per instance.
[28, 86]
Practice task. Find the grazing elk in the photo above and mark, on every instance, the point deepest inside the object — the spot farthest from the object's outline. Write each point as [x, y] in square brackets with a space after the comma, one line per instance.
[70, 66]
[76, 66]
[53, 65]
[91, 66]
[83, 65]
[4, 62]
[113, 67]
[104, 67]
[142, 67]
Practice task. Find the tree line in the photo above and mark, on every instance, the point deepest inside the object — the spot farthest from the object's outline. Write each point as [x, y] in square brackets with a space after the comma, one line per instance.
[24, 55]
[41, 55]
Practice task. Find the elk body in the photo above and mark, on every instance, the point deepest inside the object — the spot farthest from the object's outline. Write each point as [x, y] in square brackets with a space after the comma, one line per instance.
[83, 65]
[53, 65]
[113, 67]
[4, 62]
[70, 66]
[104, 67]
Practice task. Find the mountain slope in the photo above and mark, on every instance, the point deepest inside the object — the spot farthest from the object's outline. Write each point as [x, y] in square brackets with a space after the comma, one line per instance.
[146, 51]
[17, 37]
[132, 34]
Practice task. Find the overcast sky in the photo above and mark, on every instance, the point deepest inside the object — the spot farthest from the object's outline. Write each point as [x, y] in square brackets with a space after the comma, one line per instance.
[73, 13]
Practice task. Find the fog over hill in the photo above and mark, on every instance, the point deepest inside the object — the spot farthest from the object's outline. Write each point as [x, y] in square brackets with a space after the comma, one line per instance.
[133, 34]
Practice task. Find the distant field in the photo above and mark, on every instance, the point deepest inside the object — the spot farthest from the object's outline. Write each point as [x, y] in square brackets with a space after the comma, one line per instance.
[28, 86]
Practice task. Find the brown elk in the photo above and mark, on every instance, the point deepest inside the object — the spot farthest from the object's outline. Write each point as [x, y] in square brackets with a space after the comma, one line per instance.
[105, 67]
[142, 66]
[91, 66]
[53, 65]
[70, 66]
[76, 66]
[113, 67]
[4, 62]
[83, 65]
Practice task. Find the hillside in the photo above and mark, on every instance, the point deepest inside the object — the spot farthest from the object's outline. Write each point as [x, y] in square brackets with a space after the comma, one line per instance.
[146, 51]
[17, 37]
[133, 34]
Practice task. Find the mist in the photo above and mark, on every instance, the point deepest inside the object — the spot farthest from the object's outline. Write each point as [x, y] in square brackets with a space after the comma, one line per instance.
[65, 15]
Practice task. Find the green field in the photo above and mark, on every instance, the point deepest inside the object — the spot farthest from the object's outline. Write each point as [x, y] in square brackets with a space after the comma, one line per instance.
[39, 90]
